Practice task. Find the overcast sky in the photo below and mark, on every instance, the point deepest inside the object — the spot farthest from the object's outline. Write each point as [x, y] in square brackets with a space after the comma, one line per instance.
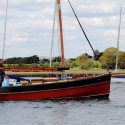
[30, 23]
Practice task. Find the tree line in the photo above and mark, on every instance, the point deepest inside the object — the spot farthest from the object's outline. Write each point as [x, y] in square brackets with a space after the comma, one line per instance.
[84, 61]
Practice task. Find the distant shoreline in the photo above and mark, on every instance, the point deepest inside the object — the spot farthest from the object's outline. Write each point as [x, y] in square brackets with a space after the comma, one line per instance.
[69, 72]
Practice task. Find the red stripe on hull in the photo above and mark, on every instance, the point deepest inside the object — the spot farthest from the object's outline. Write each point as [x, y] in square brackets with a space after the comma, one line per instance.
[90, 90]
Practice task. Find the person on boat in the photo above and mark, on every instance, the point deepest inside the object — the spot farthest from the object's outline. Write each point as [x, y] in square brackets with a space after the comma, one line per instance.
[6, 81]
[17, 82]
[2, 73]
[29, 82]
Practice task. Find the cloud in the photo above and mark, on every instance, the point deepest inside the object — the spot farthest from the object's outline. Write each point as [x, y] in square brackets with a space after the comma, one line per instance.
[93, 21]
[30, 22]
[110, 32]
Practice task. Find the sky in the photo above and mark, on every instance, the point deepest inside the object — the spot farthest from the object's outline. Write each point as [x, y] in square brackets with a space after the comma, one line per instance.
[29, 27]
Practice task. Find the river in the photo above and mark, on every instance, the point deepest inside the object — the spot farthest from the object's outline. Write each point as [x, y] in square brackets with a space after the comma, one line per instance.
[74, 112]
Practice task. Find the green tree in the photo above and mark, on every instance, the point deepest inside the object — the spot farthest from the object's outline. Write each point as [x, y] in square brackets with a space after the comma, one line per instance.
[121, 60]
[84, 61]
[109, 57]
[71, 63]
[46, 64]
[97, 54]
[56, 64]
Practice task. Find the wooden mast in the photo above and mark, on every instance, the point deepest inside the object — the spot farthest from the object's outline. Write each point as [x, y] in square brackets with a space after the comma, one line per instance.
[61, 33]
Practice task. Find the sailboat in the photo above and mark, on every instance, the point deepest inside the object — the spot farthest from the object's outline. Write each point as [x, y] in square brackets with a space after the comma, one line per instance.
[79, 86]
[118, 75]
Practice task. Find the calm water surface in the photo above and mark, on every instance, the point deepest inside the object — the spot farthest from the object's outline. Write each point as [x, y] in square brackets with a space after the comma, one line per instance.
[74, 112]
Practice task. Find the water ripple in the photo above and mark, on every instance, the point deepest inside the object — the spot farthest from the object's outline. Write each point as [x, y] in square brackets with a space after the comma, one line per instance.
[73, 112]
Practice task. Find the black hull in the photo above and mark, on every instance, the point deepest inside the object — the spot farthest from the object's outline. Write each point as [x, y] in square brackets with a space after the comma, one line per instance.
[65, 89]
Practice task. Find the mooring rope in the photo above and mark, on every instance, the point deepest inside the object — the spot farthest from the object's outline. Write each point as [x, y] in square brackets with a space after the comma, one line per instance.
[118, 87]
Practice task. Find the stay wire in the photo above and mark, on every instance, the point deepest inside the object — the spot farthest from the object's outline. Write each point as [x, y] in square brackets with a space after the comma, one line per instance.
[101, 19]
[86, 36]
[118, 87]
[30, 24]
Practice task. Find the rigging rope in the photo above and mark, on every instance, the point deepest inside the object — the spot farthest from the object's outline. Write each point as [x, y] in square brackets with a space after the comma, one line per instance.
[30, 24]
[86, 36]
[118, 87]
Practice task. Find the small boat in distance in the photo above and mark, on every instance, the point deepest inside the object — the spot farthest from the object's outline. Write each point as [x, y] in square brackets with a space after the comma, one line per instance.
[78, 86]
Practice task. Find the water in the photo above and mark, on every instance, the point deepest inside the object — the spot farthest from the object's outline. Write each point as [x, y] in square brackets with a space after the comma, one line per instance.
[74, 112]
